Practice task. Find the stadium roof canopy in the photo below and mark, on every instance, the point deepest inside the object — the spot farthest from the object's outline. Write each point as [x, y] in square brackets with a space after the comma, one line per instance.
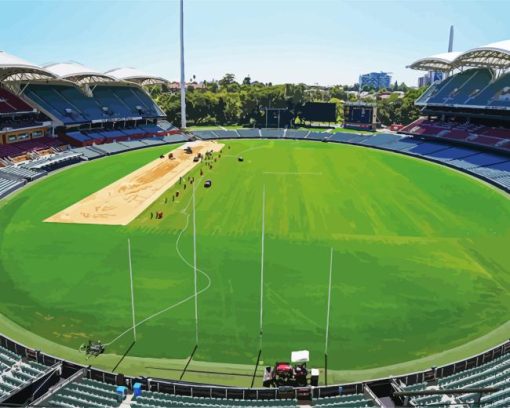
[440, 62]
[80, 74]
[137, 76]
[495, 55]
[13, 68]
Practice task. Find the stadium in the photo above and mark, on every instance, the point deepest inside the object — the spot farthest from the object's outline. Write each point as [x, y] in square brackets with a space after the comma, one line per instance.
[144, 264]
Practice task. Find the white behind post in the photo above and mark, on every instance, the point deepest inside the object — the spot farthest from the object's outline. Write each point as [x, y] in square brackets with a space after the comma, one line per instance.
[195, 264]
[329, 301]
[262, 267]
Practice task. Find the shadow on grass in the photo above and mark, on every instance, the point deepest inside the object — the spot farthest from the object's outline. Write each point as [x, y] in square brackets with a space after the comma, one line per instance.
[189, 361]
[123, 356]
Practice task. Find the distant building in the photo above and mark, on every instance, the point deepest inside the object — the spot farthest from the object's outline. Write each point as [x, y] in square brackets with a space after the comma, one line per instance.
[175, 86]
[429, 78]
[387, 94]
[424, 80]
[377, 80]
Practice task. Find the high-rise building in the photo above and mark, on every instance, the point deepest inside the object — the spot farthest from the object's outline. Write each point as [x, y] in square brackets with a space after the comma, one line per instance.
[377, 80]
[429, 78]
[424, 80]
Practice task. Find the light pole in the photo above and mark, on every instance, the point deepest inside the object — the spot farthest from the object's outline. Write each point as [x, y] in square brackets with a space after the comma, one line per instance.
[183, 77]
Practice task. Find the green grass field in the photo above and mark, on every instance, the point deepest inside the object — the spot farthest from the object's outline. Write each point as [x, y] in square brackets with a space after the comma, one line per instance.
[421, 264]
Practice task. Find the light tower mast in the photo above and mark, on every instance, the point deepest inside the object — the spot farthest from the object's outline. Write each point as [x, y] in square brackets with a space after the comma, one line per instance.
[450, 42]
[183, 76]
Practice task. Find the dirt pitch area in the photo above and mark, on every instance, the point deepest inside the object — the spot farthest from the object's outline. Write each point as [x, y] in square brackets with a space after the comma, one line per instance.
[122, 201]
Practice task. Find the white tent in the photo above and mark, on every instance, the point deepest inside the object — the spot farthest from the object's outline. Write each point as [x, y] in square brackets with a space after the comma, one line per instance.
[137, 76]
[301, 356]
[495, 55]
[13, 68]
[75, 72]
[438, 62]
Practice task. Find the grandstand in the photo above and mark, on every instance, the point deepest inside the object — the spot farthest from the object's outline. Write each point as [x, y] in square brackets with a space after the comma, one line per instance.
[17, 374]
[69, 385]
[83, 392]
[45, 110]
[11, 104]
[493, 374]
[470, 106]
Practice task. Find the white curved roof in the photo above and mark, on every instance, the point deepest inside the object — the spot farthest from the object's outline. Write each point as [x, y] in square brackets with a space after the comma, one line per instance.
[496, 55]
[79, 73]
[137, 76]
[438, 62]
[13, 68]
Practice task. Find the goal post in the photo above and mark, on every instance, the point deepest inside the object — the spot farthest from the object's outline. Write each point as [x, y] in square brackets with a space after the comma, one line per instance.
[261, 323]
[195, 265]
[328, 310]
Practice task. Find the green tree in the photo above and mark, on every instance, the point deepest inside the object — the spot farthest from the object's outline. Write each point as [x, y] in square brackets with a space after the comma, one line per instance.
[228, 79]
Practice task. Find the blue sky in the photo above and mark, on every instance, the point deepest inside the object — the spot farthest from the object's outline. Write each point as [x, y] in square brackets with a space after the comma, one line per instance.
[312, 41]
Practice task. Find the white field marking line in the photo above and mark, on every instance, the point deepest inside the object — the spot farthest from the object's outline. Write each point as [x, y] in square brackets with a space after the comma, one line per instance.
[291, 173]
[181, 301]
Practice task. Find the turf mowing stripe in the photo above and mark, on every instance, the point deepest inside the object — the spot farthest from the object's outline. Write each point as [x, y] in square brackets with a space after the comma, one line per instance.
[290, 173]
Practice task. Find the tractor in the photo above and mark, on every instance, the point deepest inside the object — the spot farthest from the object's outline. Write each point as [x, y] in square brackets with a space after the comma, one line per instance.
[293, 374]
[92, 348]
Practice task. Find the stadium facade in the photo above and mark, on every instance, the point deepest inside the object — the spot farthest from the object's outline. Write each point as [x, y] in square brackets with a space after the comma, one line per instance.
[471, 105]
[46, 107]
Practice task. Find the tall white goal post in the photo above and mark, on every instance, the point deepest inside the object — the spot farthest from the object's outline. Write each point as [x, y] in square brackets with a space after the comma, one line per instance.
[326, 341]
[195, 265]
[261, 327]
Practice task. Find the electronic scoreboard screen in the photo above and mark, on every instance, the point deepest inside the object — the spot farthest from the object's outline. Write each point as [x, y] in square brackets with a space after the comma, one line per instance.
[319, 112]
[359, 114]
[362, 116]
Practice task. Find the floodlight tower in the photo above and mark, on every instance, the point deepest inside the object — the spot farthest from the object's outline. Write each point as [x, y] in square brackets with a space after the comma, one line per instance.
[450, 42]
[183, 77]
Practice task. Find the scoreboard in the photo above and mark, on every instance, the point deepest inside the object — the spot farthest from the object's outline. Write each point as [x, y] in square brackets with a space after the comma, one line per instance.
[319, 112]
[360, 116]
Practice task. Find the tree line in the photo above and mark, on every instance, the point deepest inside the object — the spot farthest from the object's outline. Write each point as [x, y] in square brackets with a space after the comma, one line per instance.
[228, 102]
